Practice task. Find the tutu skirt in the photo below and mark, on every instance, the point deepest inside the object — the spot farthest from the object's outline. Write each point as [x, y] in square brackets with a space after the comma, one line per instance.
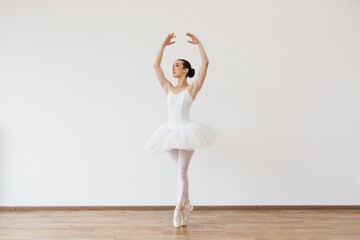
[190, 136]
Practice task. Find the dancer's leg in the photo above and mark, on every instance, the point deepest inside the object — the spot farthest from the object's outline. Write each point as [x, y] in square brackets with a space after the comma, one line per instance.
[181, 160]
[183, 181]
[174, 156]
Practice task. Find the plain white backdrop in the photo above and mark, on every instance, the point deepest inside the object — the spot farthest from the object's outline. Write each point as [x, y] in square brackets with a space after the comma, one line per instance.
[79, 98]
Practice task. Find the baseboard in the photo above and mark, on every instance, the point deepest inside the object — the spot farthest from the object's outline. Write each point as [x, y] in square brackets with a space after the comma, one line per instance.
[166, 207]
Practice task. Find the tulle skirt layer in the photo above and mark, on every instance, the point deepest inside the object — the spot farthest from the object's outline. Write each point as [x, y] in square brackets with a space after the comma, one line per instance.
[193, 135]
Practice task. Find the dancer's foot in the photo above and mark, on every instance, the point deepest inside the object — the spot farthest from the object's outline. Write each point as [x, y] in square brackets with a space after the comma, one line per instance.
[187, 208]
[178, 215]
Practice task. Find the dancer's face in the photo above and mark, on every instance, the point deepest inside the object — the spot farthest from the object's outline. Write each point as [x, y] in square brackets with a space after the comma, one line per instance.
[178, 69]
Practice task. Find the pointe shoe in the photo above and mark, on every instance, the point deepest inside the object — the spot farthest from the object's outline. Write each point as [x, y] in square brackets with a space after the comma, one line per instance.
[178, 222]
[185, 217]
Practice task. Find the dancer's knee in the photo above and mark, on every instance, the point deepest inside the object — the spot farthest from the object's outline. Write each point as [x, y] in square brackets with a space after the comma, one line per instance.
[182, 173]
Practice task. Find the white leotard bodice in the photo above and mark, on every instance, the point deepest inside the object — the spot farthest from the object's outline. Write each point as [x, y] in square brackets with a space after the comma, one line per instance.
[180, 132]
[179, 106]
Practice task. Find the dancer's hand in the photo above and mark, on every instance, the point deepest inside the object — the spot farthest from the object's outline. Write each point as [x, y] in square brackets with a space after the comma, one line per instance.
[168, 39]
[194, 39]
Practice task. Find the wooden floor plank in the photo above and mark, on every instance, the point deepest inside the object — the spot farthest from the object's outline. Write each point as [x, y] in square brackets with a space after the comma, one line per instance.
[265, 224]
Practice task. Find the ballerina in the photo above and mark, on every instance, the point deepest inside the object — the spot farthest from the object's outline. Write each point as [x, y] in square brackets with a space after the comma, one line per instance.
[180, 135]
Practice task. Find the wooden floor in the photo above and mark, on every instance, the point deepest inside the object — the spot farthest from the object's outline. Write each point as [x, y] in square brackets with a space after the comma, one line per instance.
[241, 225]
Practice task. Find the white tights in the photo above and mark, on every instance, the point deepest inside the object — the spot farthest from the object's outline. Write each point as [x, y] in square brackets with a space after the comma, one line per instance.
[181, 160]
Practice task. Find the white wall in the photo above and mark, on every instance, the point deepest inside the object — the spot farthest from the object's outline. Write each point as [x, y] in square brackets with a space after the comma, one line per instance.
[79, 98]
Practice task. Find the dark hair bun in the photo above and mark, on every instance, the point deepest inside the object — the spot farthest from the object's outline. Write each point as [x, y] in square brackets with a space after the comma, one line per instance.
[191, 73]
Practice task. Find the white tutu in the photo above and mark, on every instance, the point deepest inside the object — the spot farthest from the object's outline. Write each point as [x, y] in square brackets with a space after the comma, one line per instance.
[190, 136]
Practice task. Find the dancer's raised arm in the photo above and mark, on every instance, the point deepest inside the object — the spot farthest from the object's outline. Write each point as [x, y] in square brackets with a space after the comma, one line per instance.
[199, 81]
[164, 82]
